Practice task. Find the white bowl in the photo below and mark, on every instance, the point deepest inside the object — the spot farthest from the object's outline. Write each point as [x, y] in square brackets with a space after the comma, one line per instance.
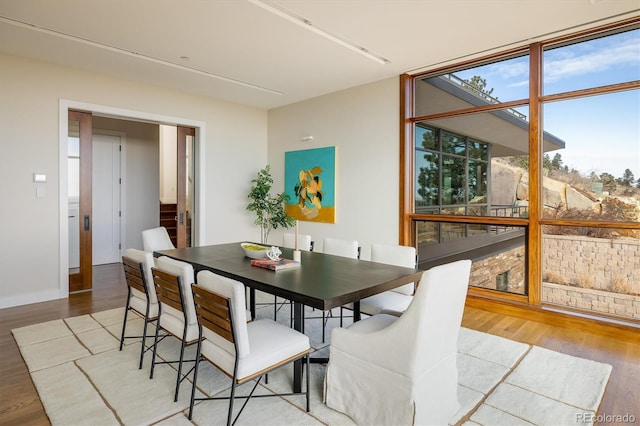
[256, 251]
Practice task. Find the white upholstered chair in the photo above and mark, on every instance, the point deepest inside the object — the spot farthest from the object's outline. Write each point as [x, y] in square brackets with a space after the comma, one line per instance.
[141, 293]
[244, 351]
[399, 298]
[402, 370]
[305, 243]
[338, 247]
[176, 313]
[156, 239]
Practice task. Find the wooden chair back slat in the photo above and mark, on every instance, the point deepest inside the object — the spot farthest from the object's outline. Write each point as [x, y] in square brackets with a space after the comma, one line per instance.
[134, 275]
[168, 288]
[213, 312]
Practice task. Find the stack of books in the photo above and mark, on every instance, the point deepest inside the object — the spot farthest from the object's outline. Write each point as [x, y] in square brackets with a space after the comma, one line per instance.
[274, 265]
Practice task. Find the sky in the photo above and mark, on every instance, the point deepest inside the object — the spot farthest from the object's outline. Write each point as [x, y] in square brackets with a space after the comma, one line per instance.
[601, 133]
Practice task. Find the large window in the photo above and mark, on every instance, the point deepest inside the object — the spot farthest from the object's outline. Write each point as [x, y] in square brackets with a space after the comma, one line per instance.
[540, 188]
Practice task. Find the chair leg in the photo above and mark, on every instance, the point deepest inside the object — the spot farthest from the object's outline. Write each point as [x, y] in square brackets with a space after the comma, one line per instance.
[307, 366]
[195, 379]
[143, 343]
[126, 313]
[178, 380]
[233, 392]
[155, 347]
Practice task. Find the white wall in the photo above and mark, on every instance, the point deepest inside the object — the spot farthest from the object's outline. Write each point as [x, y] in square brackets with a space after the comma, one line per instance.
[235, 149]
[363, 124]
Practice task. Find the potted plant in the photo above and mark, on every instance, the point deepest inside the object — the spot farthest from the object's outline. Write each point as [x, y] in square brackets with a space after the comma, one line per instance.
[269, 209]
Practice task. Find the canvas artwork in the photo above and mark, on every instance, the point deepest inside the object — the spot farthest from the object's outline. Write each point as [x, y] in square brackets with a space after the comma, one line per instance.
[310, 183]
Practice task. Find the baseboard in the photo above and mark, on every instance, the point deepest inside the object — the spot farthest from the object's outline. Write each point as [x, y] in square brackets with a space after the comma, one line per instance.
[29, 298]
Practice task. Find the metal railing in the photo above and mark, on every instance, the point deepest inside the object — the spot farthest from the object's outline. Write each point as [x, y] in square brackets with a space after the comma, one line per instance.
[474, 90]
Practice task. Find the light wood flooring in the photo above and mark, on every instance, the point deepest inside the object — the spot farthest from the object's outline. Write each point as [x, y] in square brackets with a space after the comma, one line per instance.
[20, 405]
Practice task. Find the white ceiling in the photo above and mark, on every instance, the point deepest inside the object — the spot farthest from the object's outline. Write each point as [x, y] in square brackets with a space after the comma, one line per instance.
[240, 52]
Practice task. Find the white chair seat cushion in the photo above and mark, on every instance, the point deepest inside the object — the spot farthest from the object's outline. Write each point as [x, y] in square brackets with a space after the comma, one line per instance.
[270, 344]
[371, 324]
[138, 302]
[172, 320]
[387, 300]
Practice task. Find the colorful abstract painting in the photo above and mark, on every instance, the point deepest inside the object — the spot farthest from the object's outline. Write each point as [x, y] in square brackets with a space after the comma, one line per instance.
[310, 183]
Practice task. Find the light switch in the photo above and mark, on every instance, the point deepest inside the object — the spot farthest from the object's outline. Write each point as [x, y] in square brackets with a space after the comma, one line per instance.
[40, 192]
[39, 177]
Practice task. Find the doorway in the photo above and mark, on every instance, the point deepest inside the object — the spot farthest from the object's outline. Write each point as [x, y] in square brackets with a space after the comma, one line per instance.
[127, 115]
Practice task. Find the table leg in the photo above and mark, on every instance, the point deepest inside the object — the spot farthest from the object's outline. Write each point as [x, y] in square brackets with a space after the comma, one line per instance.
[252, 302]
[356, 311]
[298, 312]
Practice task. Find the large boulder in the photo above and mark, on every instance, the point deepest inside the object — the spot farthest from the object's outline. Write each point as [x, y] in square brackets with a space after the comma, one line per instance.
[504, 181]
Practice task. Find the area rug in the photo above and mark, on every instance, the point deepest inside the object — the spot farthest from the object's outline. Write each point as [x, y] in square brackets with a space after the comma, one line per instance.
[82, 378]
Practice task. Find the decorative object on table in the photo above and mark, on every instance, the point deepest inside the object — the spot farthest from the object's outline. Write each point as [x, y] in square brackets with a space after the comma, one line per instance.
[309, 180]
[275, 265]
[269, 209]
[296, 249]
[274, 253]
[254, 251]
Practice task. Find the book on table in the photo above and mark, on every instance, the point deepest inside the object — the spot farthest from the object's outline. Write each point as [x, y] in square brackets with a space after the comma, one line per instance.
[274, 265]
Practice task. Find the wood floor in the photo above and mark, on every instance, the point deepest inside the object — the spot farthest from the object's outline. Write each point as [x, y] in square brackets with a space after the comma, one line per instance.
[20, 405]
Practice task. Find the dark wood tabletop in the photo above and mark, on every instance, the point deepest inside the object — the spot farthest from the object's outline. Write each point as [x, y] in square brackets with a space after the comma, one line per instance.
[322, 281]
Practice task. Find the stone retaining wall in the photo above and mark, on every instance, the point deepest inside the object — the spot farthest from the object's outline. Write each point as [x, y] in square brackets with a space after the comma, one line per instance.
[592, 300]
[587, 262]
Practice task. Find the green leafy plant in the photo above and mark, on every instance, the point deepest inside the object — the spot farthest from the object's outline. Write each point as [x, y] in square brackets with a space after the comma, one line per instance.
[269, 209]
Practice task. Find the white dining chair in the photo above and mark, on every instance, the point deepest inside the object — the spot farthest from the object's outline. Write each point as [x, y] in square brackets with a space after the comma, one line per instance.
[141, 294]
[338, 247]
[305, 243]
[156, 239]
[176, 314]
[399, 298]
[392, 370]
[244, 351]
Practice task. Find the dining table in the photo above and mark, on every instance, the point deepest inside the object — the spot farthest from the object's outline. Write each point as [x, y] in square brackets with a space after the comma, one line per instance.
[321, 281]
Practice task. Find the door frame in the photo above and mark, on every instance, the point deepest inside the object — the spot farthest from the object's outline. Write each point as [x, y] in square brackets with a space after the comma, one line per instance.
[125, 114]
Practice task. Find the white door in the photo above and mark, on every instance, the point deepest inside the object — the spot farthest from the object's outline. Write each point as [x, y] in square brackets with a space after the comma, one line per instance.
[106, 199]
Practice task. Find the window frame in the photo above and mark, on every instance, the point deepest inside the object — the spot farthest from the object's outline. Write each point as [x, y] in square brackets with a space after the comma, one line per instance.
[535, 221]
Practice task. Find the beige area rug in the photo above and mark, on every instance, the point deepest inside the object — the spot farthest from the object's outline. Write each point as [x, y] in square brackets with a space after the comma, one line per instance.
[82, 378]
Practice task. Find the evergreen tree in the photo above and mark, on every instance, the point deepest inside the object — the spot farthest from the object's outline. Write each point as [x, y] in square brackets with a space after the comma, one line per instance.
[608, 182]
[627, 178]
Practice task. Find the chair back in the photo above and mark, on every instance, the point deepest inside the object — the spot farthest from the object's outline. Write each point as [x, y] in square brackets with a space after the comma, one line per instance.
[399, 256]
[304, 241]
[340, 247]
[173, 279]
[137, 272]
[233, 290]
[156, 239]
[432, 321]
[214, 312]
